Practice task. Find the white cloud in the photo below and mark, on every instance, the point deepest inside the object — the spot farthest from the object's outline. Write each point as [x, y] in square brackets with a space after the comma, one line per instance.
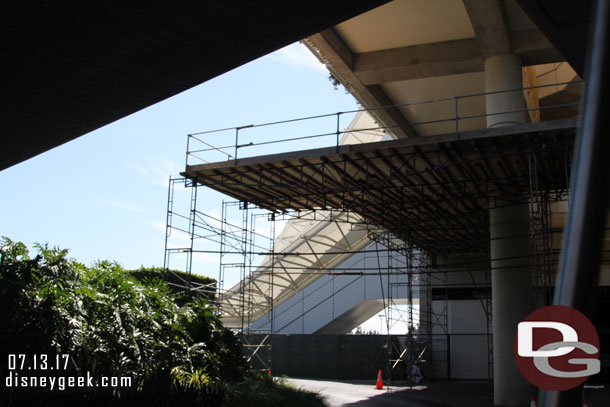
[159, 171]
[298, 54]
[163, 170]
[160, 226]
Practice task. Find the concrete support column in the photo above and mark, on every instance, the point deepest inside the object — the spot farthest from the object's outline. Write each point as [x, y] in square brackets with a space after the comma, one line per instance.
[511, 287]
[503, 72]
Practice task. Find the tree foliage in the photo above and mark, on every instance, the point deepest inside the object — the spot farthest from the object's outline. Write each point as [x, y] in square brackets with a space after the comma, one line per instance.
[111, 323]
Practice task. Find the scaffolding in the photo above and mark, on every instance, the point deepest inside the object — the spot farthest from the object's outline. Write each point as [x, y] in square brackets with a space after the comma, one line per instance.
[244, 250]
[548, 210]
[417, 210]
[185, 224]
[423, 346]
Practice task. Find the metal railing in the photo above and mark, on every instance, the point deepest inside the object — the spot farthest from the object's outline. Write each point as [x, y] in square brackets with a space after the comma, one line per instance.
[327, 129]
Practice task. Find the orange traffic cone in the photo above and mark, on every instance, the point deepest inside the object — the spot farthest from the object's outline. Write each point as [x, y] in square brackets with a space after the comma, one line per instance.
[585, 404]
[379, 381]
[533, 402]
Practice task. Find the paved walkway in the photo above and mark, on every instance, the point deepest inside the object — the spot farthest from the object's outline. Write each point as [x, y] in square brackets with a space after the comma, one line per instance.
[438, 394]
[442, 394]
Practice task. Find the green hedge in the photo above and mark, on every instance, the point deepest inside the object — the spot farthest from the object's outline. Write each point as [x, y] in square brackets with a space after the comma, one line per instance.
[111, 322]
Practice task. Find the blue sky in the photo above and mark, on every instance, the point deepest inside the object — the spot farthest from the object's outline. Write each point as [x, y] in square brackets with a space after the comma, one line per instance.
[104, 195]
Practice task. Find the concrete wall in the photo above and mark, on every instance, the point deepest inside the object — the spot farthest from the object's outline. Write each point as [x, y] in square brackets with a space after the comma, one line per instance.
[468, 340]
[461, 352]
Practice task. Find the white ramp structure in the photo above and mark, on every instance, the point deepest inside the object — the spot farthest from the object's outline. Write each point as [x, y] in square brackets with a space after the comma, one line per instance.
[339, 301]
[324, 274]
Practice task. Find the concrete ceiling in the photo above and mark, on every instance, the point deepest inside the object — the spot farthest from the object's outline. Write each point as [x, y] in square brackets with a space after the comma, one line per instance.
[410, 51]
[441, 87]
[404, 23]
[70, 68]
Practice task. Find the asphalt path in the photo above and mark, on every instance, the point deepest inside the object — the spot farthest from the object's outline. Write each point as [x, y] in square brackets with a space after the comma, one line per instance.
[436, 394]
[341, 394]
[444, 394]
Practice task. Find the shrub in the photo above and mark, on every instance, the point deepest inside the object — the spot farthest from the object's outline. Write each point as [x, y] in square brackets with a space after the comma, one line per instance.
[111, 324]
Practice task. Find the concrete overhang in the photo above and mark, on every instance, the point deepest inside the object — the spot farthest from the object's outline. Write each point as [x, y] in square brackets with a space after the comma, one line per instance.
[410, 51]
[70, 68]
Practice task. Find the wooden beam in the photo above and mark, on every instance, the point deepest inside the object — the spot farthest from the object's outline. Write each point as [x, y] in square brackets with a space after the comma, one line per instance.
[330, 48]
[530, 80]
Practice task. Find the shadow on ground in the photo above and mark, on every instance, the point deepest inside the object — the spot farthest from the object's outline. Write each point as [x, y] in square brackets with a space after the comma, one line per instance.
[441, 394]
